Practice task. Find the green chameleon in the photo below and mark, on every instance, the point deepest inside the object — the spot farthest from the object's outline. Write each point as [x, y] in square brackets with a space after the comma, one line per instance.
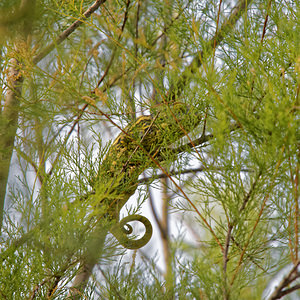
[133, 151]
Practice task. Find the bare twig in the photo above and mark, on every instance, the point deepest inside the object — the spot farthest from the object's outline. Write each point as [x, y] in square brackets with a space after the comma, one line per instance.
[261, 43]
[288, 291]
[280, 290]
[197, 142]
[137, 27]
[265, 23]
[188, 171]
[225, 260]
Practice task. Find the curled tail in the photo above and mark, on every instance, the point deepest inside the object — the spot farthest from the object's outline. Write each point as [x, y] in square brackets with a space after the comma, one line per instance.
[122, 229]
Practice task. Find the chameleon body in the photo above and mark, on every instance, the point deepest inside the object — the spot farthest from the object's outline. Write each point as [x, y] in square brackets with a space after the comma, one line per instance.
[129, 156]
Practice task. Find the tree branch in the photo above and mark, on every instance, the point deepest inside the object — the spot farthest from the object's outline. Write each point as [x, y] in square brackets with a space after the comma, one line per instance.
[68, 31]
[9, 123]
[225, 261]
[184, 79]
[287, 280]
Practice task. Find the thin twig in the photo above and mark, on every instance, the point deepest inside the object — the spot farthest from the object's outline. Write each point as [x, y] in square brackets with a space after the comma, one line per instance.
[171, 23]
[248, 195]
[288, 291]
[251, 258]
[266, 21]
[217, 27]
[112, 285]
[188, 171]
[187, 198]
[44, 52]
[258, 217]
[137, 26]
[261, 42]
[184, 79]
[115, 49]
[66, 139]
[106, 69]
[197, 142]
[286, 281]
[83, 72]
[225, 260]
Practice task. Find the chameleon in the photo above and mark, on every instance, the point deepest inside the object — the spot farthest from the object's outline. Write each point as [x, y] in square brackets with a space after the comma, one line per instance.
[129, 155]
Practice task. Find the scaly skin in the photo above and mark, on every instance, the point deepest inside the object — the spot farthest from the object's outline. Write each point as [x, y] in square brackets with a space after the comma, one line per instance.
[129, 156]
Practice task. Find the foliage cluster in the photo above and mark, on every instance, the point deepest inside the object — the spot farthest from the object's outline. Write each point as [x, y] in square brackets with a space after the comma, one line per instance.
[224, 197]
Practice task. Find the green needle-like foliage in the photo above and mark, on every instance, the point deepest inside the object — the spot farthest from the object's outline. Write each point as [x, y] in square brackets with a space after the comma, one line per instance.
[116, 115]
